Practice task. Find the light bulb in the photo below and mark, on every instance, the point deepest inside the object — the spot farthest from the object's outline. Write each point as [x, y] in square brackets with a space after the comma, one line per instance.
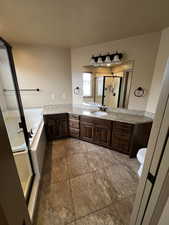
[116, 59]
[92, 61]
[100, 61]
[107, 60]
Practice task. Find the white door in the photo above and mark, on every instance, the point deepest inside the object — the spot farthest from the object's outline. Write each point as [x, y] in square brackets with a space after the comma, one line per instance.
[156, 165]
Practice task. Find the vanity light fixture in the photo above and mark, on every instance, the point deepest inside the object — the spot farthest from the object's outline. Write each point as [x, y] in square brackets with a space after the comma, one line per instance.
[106, 60]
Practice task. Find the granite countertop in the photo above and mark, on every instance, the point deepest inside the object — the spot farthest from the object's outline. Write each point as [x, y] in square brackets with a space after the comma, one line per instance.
[119, 115]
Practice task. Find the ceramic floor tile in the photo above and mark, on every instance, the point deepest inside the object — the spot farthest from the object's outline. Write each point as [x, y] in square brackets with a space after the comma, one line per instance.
[89, 194]
[62, 141]
[86, 182]
[76, 148]
[121, 180]
[132, 198]
[133, 164]
[120, 157]
[102, 217]
[56, 205]
[58, 151]
[73, 141]
[77, 165]
[92, 147]
[58, 171]
[109, 193]
[82, 195]
[124, 208]
[100, 159]
[107, 157]
[94, 160]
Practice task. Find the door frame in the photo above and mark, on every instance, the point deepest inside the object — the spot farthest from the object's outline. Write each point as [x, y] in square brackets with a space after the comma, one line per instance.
[155, 151]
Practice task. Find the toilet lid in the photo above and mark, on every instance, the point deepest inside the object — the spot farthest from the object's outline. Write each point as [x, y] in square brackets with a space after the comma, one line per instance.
[141, 155]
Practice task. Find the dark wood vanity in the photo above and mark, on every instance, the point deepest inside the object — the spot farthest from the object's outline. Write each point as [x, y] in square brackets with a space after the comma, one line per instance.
[56, 126]
[124, 137]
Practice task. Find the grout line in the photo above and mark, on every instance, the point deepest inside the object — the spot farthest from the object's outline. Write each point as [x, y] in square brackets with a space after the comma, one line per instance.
[95, 211]
[68, 178]
[94, 171]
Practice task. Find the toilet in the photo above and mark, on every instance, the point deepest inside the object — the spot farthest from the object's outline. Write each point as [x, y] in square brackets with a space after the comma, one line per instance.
[140, 157]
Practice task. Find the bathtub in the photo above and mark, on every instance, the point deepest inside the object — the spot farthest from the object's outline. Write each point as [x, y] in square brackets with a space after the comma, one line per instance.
[34, 122]
[24, 170]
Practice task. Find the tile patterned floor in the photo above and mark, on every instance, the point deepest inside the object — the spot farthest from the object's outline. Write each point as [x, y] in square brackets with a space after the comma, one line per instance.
[84, 184]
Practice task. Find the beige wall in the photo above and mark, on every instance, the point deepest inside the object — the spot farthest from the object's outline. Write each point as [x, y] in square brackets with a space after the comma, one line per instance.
[142, 49]
[162, 56]
[46, 68]
[6, 81]
[2, 97]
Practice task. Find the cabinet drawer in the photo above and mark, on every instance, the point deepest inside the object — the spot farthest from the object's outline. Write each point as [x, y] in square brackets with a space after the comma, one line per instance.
[74, 116]
[74, 132]
[74, 124]
[120, 144]
[86, 119]
[102, 122]
[122, 135]
[119, 127]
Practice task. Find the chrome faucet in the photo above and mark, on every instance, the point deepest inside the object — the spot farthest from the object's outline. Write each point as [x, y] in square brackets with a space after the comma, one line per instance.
[102, 108]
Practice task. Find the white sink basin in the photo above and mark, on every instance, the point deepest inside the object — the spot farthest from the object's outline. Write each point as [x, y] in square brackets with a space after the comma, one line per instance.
[100, 113]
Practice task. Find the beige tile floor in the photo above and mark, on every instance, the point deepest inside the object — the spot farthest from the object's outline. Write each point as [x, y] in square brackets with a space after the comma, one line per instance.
[84, 184]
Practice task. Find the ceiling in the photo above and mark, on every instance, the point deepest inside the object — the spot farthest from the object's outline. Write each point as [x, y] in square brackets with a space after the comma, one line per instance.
[75, 23]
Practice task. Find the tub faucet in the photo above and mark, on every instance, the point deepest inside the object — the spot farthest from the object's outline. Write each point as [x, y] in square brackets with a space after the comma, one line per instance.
[30, 133]
[20, 130]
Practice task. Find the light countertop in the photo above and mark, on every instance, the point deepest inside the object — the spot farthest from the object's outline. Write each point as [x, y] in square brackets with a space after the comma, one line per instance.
[121, 115]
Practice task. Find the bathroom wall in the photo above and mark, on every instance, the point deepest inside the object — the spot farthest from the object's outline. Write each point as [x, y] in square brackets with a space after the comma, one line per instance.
[2, 97]
[45, 68]
[142, 49]
[6, 82]
[161, 60]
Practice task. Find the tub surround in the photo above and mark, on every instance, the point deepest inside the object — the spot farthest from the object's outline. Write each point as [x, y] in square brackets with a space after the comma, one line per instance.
[123, 132]
[121, 115]
[24, 170]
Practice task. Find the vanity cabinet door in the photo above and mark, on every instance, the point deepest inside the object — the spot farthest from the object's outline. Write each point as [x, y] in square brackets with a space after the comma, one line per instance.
[56, 126]
[102, 135]
[102, 132]
[121, 136]
[86, 131]
[63, 128]
[50, 127]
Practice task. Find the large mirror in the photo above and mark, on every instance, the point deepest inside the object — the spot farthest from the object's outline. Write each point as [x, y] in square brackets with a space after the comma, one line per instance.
[109, 86]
